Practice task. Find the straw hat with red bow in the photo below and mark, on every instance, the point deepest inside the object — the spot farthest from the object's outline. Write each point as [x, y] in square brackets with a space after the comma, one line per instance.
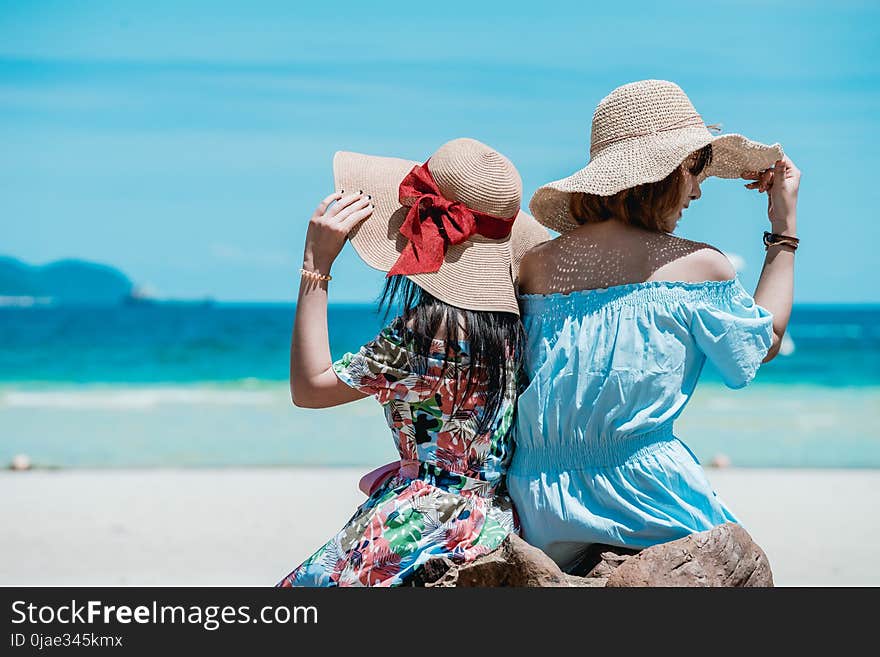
[452, 225]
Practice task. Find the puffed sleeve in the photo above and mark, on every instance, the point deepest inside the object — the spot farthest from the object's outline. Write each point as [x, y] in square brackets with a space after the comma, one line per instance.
[380, 368]
[733, 332]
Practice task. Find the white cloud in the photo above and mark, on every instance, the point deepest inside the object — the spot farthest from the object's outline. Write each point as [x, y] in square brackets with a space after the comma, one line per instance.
[738, 262]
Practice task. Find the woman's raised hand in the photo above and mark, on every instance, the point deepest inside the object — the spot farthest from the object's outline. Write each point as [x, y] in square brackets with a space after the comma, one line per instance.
[329, 228]
[781, 181]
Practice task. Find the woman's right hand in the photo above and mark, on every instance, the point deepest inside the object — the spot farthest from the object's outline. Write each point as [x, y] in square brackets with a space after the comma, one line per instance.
[329, 228]
[781, 182]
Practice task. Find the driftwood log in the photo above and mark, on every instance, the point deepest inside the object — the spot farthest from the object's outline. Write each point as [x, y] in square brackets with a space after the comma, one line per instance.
[723, 556]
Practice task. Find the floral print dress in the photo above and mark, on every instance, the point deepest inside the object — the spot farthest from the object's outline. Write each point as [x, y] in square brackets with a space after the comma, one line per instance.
[449, 498]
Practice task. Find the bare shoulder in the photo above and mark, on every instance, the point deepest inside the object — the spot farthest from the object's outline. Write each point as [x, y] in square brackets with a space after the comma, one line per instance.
[533, 265]
[542, 250]
[696, 261]
[710, 264]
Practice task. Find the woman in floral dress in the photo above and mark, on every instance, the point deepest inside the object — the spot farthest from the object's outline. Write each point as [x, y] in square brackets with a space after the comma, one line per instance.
[449, 233]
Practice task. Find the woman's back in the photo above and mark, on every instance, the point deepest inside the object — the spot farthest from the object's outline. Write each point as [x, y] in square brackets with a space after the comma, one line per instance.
[611, 253]
[609, 370]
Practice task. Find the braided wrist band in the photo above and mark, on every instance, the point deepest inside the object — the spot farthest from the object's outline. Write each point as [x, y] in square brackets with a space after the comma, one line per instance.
[774, 239]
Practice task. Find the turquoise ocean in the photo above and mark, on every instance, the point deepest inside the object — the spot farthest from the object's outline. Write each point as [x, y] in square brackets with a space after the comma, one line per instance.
[195, 385]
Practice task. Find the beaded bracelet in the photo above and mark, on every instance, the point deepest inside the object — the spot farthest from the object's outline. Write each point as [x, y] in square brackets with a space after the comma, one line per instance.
[318, 276]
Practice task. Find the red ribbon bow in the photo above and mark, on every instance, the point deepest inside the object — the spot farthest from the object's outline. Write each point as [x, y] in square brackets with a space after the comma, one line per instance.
[434, 222]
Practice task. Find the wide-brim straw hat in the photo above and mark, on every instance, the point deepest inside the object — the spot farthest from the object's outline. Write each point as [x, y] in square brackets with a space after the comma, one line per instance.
[641, 132]
[477, 274]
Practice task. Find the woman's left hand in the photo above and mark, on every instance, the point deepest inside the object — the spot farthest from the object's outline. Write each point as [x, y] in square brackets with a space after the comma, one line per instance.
[781, 182]
[329, 228]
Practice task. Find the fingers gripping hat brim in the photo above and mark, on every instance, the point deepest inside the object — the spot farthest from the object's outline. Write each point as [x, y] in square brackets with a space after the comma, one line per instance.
[377, 240]
[733, 155]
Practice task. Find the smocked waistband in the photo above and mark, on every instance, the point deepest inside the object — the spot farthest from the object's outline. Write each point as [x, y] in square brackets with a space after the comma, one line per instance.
[589, 453]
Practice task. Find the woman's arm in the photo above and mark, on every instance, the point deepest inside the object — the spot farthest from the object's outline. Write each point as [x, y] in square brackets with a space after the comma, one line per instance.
[775, 290]
[313, 383]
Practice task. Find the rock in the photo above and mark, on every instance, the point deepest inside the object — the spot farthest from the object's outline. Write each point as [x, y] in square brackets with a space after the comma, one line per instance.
[599, 560]
[586, 582]
[724, 556]
[514, 563]
[609, 562]
[20, 462]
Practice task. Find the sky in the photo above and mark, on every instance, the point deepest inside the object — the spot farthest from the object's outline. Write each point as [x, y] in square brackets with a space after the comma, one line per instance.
[187, 143]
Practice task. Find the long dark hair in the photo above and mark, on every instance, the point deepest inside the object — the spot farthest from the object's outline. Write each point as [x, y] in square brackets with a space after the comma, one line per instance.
[495, 339]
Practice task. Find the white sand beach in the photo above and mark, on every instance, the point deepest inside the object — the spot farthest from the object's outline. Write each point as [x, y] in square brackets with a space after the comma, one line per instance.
[252, 526]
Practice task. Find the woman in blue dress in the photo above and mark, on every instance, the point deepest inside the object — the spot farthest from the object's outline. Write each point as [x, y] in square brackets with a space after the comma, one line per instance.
[621, 317]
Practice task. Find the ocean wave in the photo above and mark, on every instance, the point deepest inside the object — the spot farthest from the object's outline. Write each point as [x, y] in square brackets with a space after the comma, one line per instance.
[136, 398]
[24, 301]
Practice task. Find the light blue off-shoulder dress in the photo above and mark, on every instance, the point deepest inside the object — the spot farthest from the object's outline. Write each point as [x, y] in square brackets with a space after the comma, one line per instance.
[610, 369]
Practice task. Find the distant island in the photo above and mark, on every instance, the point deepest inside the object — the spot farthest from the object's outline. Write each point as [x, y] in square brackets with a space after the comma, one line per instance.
[66, 281]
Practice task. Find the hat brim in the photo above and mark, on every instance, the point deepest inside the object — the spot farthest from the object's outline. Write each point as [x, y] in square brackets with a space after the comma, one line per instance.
[477, 274]
[648, 159]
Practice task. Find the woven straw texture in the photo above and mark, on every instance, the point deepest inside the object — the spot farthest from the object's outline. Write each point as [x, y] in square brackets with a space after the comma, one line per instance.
[476, 274]
[641, 132]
